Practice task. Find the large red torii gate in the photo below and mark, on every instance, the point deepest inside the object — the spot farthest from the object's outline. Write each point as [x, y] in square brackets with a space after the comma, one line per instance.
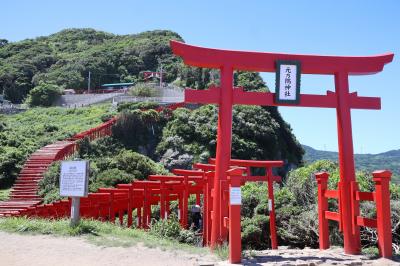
[226, 96]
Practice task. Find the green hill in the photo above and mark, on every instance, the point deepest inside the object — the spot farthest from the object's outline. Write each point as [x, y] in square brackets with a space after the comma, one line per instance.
[388, 160]
[66, 57]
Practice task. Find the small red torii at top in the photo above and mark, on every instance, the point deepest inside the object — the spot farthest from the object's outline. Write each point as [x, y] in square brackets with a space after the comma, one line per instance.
[226, 96]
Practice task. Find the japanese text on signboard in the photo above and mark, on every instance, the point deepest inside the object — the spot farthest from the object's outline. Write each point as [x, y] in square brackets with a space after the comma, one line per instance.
[288, 78]
[74, 178]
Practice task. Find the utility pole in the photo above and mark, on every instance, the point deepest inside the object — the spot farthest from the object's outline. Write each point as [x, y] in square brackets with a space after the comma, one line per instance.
[88, 86]
[161, 75]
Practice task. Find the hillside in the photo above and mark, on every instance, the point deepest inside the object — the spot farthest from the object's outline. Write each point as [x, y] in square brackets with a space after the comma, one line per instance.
[23, 133]
[370, 162]
[65, 59]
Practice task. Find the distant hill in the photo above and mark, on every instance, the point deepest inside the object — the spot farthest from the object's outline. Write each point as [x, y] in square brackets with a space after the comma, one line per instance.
[388, 160]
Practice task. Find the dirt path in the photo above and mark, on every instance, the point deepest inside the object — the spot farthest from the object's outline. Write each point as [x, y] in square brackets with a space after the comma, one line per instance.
[35, 250]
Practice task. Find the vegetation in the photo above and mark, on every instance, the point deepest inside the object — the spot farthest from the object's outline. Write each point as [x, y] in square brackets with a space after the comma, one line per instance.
[43, 95]
[172, 229]
[142, 90]
[65, 59]
[23, 133]
[110, 164]
[4, 194]
[258, 133]
[37, 70]
[140, 130]
[296, 210]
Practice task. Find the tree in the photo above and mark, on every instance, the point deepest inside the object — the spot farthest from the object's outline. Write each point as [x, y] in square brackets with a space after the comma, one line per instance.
[257, 133]
[251, 81]
[66, 57]
[3, 42]
[43, 95]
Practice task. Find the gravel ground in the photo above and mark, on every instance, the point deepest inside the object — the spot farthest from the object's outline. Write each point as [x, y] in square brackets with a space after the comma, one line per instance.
[43, 250]
[35, 250]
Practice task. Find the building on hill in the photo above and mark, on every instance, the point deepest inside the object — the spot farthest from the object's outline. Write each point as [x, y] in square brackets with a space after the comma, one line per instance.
[116, 86]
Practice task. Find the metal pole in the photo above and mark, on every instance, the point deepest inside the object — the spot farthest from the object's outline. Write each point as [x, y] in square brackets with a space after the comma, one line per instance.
[161, 75]
[75, 206]
[89, 83]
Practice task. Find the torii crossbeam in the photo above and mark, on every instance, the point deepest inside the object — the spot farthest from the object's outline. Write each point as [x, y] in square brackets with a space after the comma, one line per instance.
[226, 96]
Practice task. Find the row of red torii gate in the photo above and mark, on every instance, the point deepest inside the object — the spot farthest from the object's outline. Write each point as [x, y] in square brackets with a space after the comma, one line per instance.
[226, 95]
[219, 181]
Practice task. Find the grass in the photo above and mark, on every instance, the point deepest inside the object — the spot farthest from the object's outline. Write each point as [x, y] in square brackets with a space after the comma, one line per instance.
[96, 232]
[23, 133]
[222, 251]
[4, 194]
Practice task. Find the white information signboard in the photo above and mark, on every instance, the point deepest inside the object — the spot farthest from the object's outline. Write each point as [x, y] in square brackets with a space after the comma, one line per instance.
[288, 82]
[74, 179]
[235, 196]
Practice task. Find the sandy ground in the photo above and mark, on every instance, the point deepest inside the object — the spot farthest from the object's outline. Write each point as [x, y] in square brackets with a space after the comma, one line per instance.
[35, 250]
[312, 257]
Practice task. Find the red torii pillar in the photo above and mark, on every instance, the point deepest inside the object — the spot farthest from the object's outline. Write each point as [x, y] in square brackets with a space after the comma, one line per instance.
[226, 96]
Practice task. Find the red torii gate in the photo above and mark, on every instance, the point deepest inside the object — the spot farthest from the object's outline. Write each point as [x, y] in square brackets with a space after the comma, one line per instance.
[226, 96]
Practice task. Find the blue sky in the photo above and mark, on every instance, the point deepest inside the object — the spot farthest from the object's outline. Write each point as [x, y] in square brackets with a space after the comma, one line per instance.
[312, 27]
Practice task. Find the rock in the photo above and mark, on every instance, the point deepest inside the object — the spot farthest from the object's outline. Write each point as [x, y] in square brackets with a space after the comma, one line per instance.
[315, 262]
[301, 263]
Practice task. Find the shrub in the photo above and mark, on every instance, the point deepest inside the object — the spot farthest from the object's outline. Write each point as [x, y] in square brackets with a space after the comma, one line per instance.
[139, 130]
[255, 232]
[136, 164]
[171, 228]
[135, 106]
[49, 185]
[142, 90]
[43, 95]
[106, 117]
[112, 177]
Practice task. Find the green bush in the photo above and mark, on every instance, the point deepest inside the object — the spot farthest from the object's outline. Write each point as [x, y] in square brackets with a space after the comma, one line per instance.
[137, 106]
[110, 164]
[139, 130]
[112, 177]
[171, 228]
[49, 185]
[255, 232]
[43, 95]
[142, 90]
[257, 133]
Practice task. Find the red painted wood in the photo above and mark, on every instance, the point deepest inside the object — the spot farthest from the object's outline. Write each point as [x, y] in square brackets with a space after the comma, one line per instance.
[368, 196]
[234, 227]
[368, 222]
[322, 180]
[265, 62]
[384, 227]
[333, 194]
